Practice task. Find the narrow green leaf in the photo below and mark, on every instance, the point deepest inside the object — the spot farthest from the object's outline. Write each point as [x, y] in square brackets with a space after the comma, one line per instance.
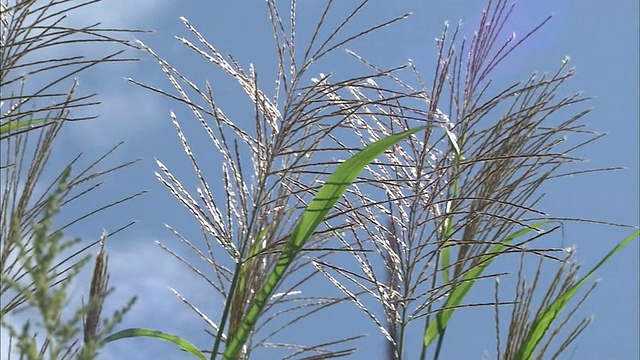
[542, 323]
[139, 332]
[257, 244]
[322, 203]
[15, 125]
[439, 324]
[445, 254]
[253, 251]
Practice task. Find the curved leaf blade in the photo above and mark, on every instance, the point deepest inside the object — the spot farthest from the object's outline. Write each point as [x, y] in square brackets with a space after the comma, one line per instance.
[542, 323]
[16, 125]
[140, 332]
[439, 324]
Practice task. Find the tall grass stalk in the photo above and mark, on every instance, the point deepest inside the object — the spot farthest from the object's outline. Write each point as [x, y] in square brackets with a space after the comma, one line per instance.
[413, 232]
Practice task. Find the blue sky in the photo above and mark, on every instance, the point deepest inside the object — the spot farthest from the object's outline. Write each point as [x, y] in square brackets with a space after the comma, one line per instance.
[602, 41]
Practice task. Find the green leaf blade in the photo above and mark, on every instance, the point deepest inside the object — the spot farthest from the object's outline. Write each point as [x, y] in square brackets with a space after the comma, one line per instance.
[141, 332]
[542, 323]
[17, 125]
[436, 328]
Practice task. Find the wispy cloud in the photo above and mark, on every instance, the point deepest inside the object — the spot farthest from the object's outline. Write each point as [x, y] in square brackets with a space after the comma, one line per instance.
[140, 267]
[124, 13]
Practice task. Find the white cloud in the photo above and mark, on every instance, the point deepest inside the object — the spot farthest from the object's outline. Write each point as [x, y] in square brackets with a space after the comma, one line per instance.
[127, 115]
[142, 268]
[122, 13]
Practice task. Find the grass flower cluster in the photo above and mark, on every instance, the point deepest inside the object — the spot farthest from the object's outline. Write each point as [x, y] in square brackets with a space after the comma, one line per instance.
[398, 190]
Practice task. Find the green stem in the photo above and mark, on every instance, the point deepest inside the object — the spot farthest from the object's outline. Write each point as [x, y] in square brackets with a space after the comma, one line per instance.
[225, 312]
